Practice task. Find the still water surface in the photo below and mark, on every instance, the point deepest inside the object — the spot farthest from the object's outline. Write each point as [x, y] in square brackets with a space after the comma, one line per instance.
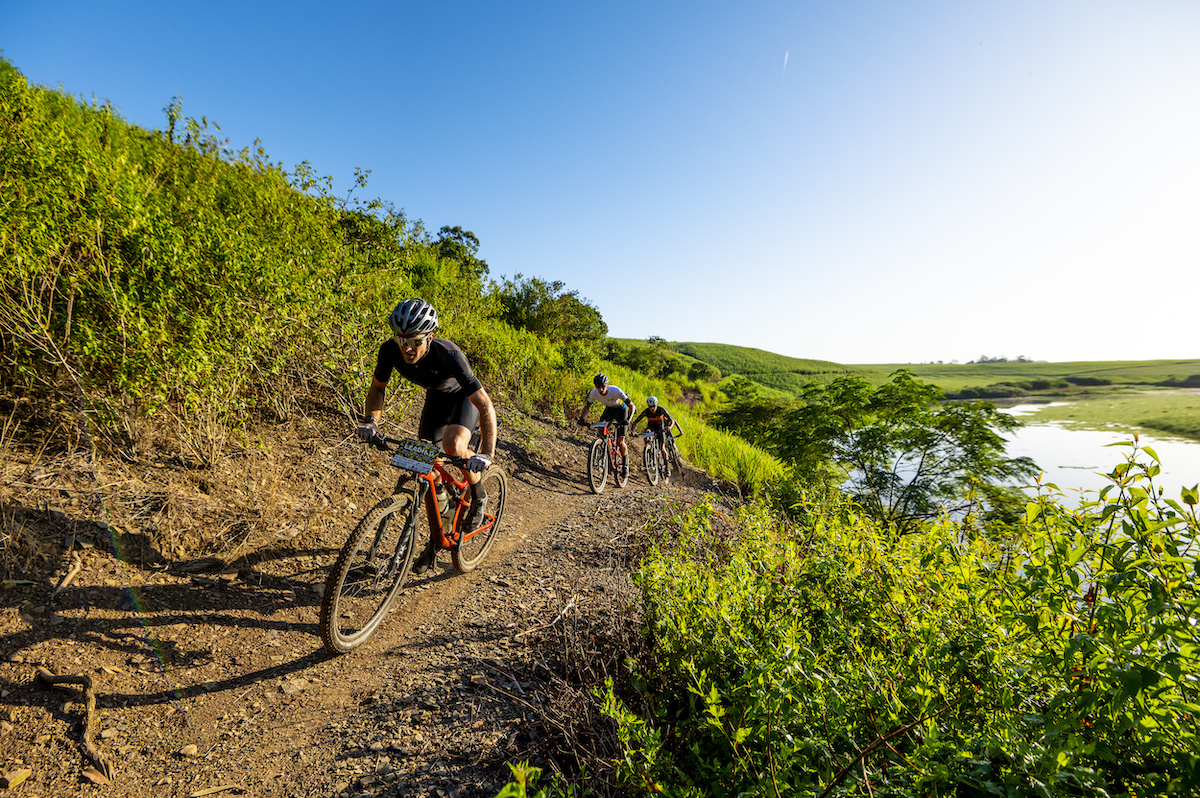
[1074, 457]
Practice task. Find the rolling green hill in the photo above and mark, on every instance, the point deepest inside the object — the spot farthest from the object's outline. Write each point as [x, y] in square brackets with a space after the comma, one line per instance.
[782, 373]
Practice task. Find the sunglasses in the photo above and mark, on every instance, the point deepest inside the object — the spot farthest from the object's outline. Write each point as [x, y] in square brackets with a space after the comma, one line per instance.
[412, 341]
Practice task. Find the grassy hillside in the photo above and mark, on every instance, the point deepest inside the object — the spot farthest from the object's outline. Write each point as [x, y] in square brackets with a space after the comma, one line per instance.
[782, 373]
[148, 269]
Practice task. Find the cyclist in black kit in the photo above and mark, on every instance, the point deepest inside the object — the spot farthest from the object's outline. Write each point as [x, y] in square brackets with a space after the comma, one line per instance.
[455, 401]
[618, 407]
[660, 422]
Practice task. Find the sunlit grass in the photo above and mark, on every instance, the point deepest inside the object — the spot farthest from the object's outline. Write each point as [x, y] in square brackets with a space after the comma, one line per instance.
[1173, 412]
[956, 376]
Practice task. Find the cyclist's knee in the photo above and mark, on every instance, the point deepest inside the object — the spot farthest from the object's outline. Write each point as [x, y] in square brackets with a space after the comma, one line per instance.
[457, 440]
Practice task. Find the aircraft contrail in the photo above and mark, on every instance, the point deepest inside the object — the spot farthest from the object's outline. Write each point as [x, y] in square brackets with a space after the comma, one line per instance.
[785, 55]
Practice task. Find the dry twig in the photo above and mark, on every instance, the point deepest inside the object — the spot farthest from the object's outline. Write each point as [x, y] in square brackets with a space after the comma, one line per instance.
[76, 565]
[89, 727]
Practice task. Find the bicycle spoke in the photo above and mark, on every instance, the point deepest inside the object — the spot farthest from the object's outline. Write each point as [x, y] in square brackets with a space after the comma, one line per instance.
[369, 572]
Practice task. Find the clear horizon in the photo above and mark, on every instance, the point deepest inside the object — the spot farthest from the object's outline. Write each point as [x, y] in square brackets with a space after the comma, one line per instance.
[863, 183]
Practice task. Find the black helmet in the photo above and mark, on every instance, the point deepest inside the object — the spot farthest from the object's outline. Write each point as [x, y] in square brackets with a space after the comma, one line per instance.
[600, 380]
[413, 317]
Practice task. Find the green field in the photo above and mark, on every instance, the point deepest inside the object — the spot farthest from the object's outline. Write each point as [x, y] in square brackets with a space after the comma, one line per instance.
[956, 376]
[782, 373]
[1172, 412]
[1159, 395]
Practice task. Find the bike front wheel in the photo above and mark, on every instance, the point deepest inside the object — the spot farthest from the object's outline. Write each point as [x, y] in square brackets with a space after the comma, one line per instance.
[368, 573]
[621, 469]
[598, 465]
[476, 543]
[650, 457]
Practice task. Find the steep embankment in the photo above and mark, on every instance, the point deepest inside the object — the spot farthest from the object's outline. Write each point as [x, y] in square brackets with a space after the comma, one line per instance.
[210, 673]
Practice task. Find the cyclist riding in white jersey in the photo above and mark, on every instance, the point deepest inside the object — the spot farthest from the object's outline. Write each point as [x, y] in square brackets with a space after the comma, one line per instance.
[618, 407]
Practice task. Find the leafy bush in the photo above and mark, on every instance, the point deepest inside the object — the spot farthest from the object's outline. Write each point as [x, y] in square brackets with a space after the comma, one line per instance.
[165, 267]
[1064, 663]
[900, 454]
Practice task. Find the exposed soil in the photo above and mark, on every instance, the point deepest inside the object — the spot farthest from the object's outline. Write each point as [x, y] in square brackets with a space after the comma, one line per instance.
[201, 562]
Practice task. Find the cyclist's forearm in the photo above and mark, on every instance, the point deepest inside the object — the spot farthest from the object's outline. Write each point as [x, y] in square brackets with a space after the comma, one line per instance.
[373, 405]
[487, 430]
[487, 422]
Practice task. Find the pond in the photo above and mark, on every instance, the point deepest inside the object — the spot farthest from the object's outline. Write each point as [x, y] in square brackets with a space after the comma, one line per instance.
[1075, 457]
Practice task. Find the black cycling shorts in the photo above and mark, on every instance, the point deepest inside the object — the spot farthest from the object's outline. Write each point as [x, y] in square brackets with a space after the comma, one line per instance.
[443, 409]
[619, 415]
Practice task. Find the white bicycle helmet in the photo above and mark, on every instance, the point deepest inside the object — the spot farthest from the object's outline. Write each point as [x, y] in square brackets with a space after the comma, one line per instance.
[651, 401]
[413, 317]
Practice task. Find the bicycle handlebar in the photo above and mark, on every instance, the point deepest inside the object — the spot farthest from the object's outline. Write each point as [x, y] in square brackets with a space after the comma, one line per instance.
[381, 442]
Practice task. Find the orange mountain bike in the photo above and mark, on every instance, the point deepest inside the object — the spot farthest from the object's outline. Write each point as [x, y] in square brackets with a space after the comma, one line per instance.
[376, 559]
[604, 456]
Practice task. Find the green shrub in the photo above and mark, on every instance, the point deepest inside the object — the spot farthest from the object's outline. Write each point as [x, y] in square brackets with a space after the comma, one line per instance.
[1064, 662]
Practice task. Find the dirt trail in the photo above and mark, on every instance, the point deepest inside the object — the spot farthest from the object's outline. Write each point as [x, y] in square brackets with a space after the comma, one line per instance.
[210, 677]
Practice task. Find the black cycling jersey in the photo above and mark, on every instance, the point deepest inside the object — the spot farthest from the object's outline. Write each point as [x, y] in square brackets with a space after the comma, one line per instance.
[448, 381]
[656, 418]
[444, 368]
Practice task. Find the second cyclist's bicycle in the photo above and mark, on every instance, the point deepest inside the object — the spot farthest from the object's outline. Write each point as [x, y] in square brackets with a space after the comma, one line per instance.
[673, 452]
[376, 559]
[604, 456]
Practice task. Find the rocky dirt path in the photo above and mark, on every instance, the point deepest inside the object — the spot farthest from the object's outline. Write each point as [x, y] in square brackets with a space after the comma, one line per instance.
[211, 680]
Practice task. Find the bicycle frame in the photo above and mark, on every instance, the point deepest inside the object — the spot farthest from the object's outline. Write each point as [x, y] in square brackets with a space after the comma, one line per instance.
[605, 430]
[425, 491]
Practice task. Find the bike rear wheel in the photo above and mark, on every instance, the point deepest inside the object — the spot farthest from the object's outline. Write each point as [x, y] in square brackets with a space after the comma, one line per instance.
[676, 460]
[471, 551]
[598, 465]
[650, 457]
[368, 573]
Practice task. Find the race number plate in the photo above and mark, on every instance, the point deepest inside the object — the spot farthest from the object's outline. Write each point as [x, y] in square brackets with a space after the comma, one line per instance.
[415, 456]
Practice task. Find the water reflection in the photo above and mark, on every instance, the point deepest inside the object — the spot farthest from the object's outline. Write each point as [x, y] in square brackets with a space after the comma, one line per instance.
[1075, 458]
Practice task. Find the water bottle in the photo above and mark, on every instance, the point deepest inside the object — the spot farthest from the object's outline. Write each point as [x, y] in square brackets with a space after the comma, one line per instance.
[445, 506]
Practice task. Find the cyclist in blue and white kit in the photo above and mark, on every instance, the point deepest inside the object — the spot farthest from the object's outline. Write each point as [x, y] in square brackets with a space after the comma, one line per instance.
[618, 407]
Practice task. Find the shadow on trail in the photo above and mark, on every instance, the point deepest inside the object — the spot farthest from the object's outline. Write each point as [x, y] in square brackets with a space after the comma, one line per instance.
[566, 479]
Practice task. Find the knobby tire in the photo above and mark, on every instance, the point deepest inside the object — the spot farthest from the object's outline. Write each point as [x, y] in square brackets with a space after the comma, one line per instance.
[650, 457]
[675, 458]
[621, 469]
[368, 574]
[598, 465]
[470, 552]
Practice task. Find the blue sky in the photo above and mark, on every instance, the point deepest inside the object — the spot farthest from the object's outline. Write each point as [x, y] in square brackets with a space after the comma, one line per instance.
[863, 182]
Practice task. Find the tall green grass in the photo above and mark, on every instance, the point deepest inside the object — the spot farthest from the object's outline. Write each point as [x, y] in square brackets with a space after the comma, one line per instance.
[162, 267]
